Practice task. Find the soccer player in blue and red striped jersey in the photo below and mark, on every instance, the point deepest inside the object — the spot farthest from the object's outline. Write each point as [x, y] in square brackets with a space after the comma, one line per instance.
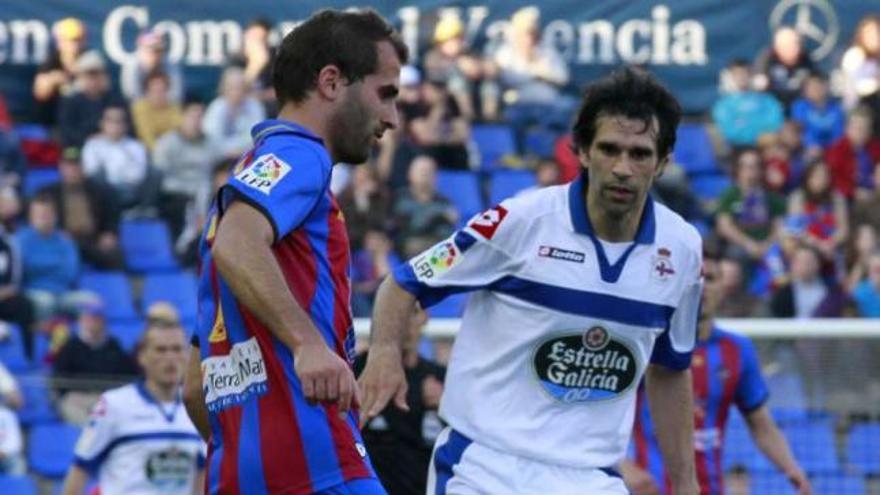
[276, 396]
[725, 372]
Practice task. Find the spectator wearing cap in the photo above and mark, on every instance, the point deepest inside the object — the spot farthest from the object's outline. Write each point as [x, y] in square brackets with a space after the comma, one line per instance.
[90, 362]
[50, 261]
[120, 161]
[185, 157]
[853, 157]
[155, 113]
[451, 62]
[89, 213]
[55, 76]
[80, 111]
[230, 116]
[149, 58]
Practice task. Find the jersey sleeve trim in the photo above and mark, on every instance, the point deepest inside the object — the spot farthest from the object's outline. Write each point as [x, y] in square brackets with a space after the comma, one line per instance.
[748, 408]
[664, 354]
[241, 196]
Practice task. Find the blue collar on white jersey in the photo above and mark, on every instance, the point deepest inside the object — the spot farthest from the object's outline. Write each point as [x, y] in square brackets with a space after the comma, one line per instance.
[142, 389]
[581, 220]
[274, 126]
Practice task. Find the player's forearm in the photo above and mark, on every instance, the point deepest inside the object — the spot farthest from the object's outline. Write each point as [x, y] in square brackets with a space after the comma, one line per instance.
[391, 315]
[771, 442]
[75, 482]
[670, 399]
[248, 266]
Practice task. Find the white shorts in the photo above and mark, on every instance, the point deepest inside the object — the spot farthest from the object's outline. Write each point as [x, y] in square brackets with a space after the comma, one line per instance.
[460, 466]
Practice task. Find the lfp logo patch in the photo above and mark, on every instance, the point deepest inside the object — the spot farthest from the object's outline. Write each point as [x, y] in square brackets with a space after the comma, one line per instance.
[436, 261]
[264, 173]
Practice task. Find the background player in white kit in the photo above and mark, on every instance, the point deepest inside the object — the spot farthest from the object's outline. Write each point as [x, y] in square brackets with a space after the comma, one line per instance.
[139, 440]
[578, 290]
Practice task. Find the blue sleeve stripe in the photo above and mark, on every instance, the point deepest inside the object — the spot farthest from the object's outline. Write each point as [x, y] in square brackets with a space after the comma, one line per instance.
[586, 303]
[426, 295]
[90, 466]
[664, 355]
[464, 241]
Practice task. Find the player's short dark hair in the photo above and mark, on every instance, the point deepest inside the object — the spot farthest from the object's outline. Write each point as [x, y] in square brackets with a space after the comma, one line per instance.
[347, 40]
[631, 93]
[261, 22]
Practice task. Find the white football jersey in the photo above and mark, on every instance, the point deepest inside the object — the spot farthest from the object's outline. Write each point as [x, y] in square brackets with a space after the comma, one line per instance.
[137, 446]
[555, 337]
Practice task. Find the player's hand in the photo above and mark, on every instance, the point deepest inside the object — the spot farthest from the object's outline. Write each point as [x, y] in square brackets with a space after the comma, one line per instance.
[638, 480]
[383, 379]
[324, 376]
[801, 483]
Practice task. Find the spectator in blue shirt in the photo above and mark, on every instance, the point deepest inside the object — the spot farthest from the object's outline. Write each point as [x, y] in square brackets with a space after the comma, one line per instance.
[50, 260]
[867, 293]
[744, 114]
[822, 119]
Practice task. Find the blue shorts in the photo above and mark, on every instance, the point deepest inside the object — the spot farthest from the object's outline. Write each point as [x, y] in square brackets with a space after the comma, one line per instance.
[363, 486]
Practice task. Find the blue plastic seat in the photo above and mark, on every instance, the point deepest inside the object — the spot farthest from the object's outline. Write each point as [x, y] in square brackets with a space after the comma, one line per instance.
[507, 183]
[771, 481]
[863, 448]
[38, 178]
[18, 485]
[115, 292]
[812, 442]
[694, 151]
[838, 484]
[463, 190]
[51, 449]
[494, 141]
[12, 352]
[739, 449]
[146, 245]
[540, 142]
[127, 332]
[38, 407]
[450, 307]
[179, 289]
[710, 187]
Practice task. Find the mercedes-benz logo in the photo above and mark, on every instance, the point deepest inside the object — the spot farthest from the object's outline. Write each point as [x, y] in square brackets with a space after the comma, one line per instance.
[815, 20]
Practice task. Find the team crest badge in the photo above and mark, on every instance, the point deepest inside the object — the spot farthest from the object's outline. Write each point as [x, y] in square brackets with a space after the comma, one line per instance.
[595, 338]
[661, 266]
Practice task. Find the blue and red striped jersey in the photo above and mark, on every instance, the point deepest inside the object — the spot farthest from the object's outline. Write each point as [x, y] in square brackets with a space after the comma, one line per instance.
[725, 372]
[265, 437]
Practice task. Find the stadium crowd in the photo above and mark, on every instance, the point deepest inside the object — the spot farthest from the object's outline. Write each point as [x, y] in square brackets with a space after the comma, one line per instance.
[783, 174]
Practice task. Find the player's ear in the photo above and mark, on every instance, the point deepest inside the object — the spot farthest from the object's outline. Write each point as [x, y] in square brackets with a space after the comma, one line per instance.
[330, 82]
[661, 165]
[583, 155]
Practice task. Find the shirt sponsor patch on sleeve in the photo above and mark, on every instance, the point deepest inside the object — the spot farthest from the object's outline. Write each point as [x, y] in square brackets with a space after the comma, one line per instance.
[436, 261]
[487, 222]
[264, 173]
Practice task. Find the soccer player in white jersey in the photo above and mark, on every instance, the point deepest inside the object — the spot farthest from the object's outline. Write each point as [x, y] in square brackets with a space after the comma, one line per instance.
[139, 440]
[577, 292]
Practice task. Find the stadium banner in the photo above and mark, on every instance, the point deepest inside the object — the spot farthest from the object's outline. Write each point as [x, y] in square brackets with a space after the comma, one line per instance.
[685, 42]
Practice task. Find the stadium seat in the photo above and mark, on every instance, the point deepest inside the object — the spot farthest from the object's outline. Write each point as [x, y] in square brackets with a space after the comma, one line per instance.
[38, 407]
[694, 151]
[739, 449]
[12, 353]
[180, 289]
[494, 141]
[838, 484]
[38, 178]
[51, 449]
[146, 245]
[115, 291]
[451, 307]
[540, 142]
[463, 190]
[812, 442]
[710, 187]
[18, 485]
[128, 332]
[507, 183]
[34, 132]
[772, 482]
[863, 448]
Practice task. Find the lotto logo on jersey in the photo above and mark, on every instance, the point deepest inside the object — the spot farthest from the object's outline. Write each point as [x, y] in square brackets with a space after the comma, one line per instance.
[585, 367]
[231, 379]
[487, 223]
[437, 260]
[264, 173]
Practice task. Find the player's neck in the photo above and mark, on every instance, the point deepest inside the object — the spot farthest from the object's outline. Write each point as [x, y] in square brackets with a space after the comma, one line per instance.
[162, 393]
[613, 228]
[307, 116]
